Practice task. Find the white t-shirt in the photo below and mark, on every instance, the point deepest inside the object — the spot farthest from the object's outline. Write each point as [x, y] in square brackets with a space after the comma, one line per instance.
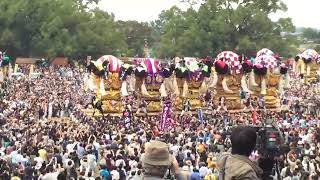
[120, 161]
[115, 175]
[50, 176]
[175, 149]
[186, 153]
[203, 171]
[133, 164]
[70, 147]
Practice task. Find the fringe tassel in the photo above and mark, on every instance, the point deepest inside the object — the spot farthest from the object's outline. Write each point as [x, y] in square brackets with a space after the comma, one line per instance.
[214, 80]
[302, 66]
[175, 86]
[185, 89]
[225, 86]
[287, 81]
[252, 80]
[124, 91]
[203, 88]
[144, 91]
[244, 85]
[308, 69]
[281, 84]
[263, 85]
[162, 90]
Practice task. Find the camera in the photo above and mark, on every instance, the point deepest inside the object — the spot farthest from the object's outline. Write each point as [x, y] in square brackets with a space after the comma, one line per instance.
[270, 144]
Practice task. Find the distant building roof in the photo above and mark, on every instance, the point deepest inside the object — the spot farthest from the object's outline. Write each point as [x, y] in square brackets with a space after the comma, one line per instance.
[61, 61]
[21, 60]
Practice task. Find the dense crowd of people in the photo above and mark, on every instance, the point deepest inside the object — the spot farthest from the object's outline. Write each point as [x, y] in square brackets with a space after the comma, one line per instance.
[45, 135]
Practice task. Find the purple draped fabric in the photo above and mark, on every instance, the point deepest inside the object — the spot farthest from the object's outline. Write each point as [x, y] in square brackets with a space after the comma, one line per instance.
[166, 117]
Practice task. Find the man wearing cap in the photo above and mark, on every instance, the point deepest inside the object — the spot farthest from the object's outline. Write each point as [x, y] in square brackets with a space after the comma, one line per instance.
[157, 160]
[237, 165]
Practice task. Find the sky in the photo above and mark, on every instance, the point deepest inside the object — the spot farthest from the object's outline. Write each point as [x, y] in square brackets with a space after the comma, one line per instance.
[304, 13]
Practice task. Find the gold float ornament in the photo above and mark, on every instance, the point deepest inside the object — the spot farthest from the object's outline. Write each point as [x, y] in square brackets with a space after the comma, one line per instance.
[178, 103]
[154, 106]
[113, 81]
[111, 106]
[263, 85]
[272, 91]
[112, 95]
[273, 79]
[195, 103]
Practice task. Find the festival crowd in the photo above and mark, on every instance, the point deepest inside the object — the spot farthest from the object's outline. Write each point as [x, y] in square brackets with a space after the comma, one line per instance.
[45, 135]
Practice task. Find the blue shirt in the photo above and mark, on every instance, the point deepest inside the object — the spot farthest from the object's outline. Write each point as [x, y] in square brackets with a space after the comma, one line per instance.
[104, 174]
[195, 176]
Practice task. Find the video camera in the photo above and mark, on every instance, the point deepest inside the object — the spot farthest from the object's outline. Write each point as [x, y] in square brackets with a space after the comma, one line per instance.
[270, 144]
[269, 141]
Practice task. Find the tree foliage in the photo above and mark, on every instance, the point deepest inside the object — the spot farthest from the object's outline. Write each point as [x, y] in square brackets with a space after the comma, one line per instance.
[311, 34]
[135, 33]
[74, 29]
[239, 25]
[57, 28]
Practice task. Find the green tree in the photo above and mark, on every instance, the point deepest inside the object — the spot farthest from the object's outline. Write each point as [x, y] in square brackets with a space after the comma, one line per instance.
[58, 28]
[310, 33]
[135, 33]
[239, 25]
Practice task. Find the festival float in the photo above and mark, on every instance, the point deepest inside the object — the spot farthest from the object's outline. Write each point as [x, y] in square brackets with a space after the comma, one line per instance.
[267, 76]
[147, 82]
[229, 77]
[306, 65]
[104, 81]
[190, 79]
[153, 80]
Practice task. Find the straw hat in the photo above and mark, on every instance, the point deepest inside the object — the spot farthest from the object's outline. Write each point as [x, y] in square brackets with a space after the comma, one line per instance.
[157, 154]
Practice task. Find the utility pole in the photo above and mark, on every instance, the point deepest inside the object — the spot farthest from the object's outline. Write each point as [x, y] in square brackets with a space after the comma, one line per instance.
[146, 48]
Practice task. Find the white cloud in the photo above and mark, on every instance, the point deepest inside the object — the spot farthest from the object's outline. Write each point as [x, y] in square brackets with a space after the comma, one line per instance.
[140, 10]
[303, 12]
